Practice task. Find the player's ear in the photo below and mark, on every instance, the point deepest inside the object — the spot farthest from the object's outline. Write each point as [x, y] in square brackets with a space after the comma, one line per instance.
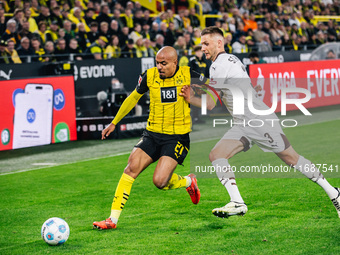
[220, 43]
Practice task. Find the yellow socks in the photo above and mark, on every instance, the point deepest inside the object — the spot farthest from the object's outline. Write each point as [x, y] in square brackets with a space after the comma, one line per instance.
[121, 196]
[176, 181]
[124, 187]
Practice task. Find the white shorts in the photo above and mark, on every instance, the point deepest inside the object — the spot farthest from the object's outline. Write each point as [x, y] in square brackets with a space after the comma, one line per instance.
[268, 138]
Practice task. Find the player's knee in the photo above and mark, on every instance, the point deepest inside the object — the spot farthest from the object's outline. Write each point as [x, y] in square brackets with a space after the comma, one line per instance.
[131, 171]
[160, 182]
[213, 156]
[289, 156]
[291, 159]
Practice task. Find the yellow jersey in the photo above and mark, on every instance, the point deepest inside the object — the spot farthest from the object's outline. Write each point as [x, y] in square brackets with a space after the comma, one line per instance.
[169, 112]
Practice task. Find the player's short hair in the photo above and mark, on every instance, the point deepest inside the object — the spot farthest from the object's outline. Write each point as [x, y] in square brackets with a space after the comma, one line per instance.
[212, 30]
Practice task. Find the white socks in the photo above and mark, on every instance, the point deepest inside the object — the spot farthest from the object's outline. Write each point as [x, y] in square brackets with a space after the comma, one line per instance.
[305, 166]
[308, 169]
[227, 178]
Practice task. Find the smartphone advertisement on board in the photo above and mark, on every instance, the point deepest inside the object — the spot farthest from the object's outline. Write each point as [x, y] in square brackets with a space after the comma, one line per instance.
[37, 112]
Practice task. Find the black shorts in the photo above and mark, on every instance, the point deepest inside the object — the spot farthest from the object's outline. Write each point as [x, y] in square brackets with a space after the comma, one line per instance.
[157, 145]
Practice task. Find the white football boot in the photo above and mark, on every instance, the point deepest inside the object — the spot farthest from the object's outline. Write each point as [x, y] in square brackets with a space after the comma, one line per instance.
[336, 202]
[230, 209]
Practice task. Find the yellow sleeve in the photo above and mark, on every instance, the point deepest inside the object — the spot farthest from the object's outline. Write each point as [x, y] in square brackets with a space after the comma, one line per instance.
[127, 106]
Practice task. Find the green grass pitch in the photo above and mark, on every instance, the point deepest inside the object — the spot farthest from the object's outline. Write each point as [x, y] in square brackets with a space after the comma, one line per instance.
[286, 215]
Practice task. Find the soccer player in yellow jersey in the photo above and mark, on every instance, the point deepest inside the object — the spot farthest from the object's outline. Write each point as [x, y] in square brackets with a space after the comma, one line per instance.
[166, 137]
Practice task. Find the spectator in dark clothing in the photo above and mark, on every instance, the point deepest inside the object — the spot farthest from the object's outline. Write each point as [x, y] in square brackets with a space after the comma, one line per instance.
[138, 17]
[198, 62]
[129, 51]
[169, 38]
[188, 40]
[312, 44]
[251, 44]
[266, 27]
[25, 50]
[18, 16]
[124, 37]
[147, 19]
[89, 16]
[173, 31]
[116, 17]
[39, 52]
[277, 46]
[49, 51]
[287, 42]
[61, 52]
[285, 20]
[104, 14]
[331, 28]
[320, 38]
[82, 38]
[10, 32]
[3, 21]
[154, 31]
[194, 21]
[114, 28]
[159, 41]
[44, 15]
[74, 50]
[25, 30]
[104, 30]
[13, 5]
[56, 16]
[93, 34]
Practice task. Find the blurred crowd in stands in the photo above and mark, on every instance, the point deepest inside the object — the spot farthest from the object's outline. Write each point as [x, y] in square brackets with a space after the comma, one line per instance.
[58, 30]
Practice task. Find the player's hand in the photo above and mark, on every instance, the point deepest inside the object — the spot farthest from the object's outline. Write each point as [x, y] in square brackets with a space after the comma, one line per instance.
[108, 130]
[187, 92]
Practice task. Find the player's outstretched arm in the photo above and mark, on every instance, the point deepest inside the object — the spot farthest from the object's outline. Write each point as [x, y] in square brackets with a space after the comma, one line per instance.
[108, 130]
[125, 108]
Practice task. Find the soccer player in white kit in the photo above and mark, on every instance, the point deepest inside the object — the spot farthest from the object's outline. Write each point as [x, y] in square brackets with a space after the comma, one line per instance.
[228, 77]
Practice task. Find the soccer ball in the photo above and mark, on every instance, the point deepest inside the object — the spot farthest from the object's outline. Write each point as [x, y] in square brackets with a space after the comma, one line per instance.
[55, 231]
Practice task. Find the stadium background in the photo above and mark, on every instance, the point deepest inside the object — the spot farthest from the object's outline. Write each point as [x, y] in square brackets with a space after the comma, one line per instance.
[75, 180]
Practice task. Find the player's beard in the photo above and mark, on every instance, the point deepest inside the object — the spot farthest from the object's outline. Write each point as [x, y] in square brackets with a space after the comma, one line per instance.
[161, 75]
